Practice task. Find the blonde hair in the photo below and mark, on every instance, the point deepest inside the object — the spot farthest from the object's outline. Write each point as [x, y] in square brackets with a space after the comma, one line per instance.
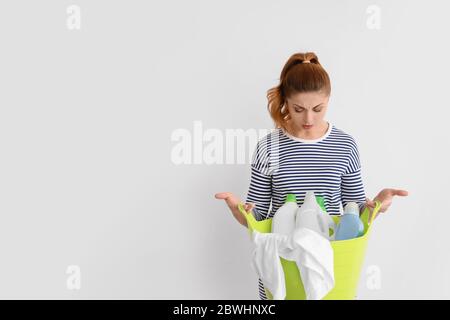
[297, 76]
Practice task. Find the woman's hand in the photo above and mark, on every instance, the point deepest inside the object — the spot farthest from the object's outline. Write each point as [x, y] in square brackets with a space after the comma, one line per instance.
[385, 196]
[232, 202]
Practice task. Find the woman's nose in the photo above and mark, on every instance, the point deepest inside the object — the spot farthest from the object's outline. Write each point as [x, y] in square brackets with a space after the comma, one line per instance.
[308, 118]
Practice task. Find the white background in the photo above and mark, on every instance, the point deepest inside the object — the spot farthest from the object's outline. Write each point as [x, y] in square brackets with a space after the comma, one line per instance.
[86, 118]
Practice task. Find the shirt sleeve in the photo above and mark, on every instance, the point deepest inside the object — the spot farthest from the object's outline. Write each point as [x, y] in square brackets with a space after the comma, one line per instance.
[352, 187]
[260, 190]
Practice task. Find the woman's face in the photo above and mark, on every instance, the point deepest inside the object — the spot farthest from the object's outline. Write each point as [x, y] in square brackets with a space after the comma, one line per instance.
[307, 108]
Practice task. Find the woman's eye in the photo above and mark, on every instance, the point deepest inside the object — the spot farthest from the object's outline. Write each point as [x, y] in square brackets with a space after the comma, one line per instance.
[300, 110]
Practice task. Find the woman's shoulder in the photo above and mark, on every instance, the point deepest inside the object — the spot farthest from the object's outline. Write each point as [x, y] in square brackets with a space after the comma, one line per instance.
[269, 138]
[344, 137]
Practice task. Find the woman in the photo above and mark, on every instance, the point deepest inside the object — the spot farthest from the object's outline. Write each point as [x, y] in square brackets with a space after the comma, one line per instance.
[305, 152]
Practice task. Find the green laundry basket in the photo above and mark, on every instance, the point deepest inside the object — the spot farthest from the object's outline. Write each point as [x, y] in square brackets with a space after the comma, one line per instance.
[348, 259]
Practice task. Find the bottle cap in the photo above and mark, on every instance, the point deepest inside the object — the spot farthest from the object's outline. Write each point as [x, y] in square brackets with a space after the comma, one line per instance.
[352, 208]
[321, 203]
[291, 198]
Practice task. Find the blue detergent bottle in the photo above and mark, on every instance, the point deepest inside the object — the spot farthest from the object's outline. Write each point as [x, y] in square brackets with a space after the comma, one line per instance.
[350, 225]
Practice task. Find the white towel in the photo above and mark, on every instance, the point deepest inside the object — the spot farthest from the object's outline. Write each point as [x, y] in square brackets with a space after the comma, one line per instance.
[266, 261]
[312, 253]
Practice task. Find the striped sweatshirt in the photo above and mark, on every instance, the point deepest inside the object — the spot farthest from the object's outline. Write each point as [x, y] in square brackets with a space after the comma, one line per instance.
[281, 164]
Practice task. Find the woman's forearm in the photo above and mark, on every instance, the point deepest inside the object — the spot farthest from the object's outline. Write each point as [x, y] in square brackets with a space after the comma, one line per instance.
[239, 217]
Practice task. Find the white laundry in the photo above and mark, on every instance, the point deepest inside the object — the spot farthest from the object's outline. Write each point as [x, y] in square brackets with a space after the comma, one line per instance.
[266, 261]
[315, 260]
[312, 253]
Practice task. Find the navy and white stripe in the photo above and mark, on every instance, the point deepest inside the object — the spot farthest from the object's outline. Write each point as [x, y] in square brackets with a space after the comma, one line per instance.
[330, 166]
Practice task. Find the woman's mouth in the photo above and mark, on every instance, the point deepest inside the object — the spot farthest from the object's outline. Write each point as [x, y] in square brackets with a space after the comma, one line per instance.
[307, 126]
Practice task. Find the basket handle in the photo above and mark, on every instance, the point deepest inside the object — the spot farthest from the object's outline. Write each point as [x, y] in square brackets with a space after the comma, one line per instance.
[247, 215]
[374, 211]
[242, 210]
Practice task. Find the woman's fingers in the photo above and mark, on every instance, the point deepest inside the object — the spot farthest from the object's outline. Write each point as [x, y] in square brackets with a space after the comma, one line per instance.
[231, 200]
[402, 193]
[370, 203]
[249, 206]
[222, 195]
